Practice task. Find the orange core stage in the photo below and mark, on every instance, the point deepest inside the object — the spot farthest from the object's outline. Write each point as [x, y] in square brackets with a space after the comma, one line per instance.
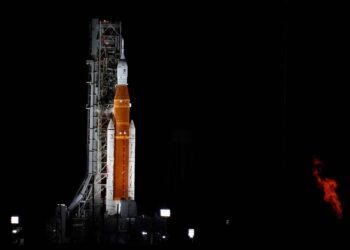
[121, 142]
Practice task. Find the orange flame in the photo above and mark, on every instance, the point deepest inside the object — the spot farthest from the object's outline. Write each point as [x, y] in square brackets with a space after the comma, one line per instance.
[329, 186]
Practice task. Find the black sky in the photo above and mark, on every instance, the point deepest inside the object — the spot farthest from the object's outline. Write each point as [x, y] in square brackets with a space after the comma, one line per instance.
[255, 96]
[317, 116]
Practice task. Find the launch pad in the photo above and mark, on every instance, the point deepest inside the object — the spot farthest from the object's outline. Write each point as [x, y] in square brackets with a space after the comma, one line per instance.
[104, 208]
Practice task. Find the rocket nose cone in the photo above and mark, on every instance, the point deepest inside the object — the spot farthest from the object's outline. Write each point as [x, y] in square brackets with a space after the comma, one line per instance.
[132, 125]
[111, 124]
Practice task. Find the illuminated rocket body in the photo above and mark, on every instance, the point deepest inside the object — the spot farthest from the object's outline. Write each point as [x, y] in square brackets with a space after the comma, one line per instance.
[121, 142]
[120, 183]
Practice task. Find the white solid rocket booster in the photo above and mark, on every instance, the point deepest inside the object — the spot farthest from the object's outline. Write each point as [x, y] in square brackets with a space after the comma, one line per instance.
[132, 144]
[110, 203]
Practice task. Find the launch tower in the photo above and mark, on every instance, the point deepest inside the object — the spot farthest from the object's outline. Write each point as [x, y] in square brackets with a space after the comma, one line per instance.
[106, 196]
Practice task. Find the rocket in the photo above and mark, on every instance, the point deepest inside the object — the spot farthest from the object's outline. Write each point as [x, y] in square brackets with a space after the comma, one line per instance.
[121, 138]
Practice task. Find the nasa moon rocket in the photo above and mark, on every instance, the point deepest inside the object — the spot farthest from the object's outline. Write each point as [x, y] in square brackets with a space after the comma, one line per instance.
[121, 137]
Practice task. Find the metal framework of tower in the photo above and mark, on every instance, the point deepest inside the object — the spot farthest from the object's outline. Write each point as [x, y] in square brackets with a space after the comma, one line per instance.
[105, 53]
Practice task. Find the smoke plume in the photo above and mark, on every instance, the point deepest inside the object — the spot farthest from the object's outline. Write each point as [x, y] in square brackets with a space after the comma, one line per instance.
[329, 187]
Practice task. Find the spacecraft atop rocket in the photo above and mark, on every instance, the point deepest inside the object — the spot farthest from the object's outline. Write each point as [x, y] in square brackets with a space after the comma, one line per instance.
[121, 136]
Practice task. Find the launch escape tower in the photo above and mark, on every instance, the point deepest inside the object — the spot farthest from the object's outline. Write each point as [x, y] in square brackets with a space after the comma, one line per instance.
[96, 203]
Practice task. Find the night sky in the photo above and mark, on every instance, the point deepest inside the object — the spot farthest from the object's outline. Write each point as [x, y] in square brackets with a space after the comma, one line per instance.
[229, 108]
[317, 118]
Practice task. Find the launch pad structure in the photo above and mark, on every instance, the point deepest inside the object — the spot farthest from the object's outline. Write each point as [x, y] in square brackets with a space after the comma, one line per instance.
[101, 205]
[105, 49]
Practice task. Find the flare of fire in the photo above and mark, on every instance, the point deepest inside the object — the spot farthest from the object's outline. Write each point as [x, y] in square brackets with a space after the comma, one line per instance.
[329, 187]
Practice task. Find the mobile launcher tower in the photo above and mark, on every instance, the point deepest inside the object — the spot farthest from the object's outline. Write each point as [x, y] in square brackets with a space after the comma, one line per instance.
[104, 208]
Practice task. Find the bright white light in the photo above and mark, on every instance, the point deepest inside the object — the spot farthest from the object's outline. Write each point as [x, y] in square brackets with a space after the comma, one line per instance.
[14, 220]
[144, 233]
[191, 233]
[163, 237]
[165, 212]
[14, 231]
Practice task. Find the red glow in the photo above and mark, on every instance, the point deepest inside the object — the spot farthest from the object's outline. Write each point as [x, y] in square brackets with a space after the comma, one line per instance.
[329, 186]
